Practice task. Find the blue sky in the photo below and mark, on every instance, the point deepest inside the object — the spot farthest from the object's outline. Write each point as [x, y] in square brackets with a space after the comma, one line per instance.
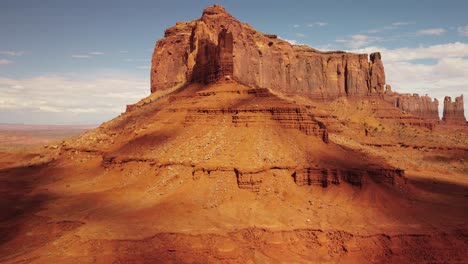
[83, 61]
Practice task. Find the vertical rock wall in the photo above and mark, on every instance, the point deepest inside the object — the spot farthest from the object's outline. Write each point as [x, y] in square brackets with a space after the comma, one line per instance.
[420, 106]
[219, 45]
[454, 112]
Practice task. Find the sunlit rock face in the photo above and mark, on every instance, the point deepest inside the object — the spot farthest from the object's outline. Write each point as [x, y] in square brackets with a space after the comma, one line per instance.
[454, 112]
[218, 45]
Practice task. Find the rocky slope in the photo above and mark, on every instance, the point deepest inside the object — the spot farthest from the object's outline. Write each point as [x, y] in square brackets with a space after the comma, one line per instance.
[229, 173]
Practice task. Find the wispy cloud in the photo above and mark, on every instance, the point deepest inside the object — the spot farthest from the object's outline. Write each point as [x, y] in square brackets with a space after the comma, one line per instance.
[358, 40]
[296, 26]
[5, 62]
[81, 56]
[87, 55]
[463, 31]
[12, 53]
[327, 47]
[392, 26]
[67, 97]
[291, 41]
[136, 60]
[123, 51]
[432, 31]
[317, 24]
[300, 35]
[400, 24]
[441, 51]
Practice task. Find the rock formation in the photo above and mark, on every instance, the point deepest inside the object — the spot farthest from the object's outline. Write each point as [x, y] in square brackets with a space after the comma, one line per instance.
[229, 169]
[454, 112]
[377, 73]
[218, 45]
[420, 106]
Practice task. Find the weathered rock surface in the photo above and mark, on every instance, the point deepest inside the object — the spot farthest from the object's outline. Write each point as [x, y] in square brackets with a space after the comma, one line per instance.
[234, 173]
[420, 106]
[325, 177]
[454, 112]
[217, 46]
[377, 73]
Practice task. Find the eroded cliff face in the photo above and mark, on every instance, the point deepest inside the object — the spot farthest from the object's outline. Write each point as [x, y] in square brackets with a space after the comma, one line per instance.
[454, 112]
[217, 45]
[420, 106]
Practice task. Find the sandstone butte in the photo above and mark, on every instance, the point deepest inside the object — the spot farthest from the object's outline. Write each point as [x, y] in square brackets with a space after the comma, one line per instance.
[218, 46]
[248, 150]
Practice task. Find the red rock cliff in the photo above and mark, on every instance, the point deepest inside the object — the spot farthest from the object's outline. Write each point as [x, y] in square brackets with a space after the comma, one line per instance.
[454, 112]
[420, 106]
[218, 45]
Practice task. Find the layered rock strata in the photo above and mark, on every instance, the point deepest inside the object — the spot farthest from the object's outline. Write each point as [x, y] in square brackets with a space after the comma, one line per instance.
[217, 46]
[325, 177]
[419, 106]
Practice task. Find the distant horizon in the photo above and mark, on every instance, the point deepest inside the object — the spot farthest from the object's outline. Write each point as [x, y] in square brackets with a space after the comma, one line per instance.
[82, 62]
[3, 125]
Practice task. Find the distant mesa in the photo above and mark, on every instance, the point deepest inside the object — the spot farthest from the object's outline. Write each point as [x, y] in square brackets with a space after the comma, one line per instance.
[421, 106]
[453, 111]
[218, 46]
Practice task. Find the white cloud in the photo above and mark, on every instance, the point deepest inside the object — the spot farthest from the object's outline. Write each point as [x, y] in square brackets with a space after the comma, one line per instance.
[5, 62]
[432, 31]
[327, 47]
[123, 51]
[69, 97]
[87, 56]
[392, 26]
[445, 76]
[300, 35]
[373, 31]
[291, 41]
[47, 108]
[400, 24]
[359, 40]
[448, 50]
[463, 31]
[137, 60]
[296, 26]
[318, 24]
[81, 56]
[12, 53]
